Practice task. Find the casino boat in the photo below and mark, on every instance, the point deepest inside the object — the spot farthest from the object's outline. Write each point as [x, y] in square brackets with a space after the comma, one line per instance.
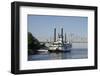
[60, 44]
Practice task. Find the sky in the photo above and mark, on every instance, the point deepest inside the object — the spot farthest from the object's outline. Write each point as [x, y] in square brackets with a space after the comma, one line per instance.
[42, 26]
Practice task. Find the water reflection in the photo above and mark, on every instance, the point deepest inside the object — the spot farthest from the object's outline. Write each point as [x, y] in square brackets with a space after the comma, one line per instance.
[80, 52]
[73, 54]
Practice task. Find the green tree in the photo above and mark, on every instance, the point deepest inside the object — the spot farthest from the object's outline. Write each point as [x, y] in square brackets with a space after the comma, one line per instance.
[33, 44]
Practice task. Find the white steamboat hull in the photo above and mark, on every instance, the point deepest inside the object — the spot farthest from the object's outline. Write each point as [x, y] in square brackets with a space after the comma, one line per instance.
[61, 49]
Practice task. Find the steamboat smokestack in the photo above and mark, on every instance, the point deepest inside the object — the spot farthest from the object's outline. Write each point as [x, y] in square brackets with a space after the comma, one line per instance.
[62, 34]
[65, 38]
[54, 34]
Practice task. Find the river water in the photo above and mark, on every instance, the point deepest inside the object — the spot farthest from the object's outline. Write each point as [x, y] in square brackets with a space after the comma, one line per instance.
[78, 51]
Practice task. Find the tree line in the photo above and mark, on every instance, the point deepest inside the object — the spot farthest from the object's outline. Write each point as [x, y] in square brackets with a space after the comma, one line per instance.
[33, 44]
